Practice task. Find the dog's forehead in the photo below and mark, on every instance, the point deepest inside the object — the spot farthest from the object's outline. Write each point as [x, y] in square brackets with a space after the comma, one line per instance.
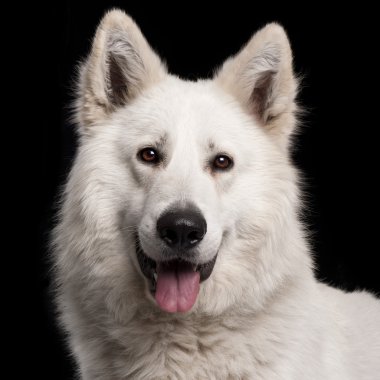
[200, 107]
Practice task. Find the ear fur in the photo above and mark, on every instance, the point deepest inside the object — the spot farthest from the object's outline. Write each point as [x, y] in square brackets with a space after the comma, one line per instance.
[120, 65]
[261, 77]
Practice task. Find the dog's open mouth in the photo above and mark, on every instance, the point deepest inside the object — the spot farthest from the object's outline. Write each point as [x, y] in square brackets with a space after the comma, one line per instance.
[175, 283]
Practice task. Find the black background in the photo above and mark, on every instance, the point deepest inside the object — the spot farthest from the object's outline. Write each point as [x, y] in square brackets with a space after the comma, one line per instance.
[336, 151]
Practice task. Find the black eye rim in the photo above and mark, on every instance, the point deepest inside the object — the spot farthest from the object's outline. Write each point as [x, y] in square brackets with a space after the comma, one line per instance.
[229, 160]
[154, 161]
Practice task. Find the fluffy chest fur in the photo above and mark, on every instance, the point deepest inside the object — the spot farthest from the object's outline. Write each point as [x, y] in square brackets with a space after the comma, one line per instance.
[283, 339]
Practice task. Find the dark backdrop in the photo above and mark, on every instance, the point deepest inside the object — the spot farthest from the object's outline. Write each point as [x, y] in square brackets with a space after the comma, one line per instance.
[336, 150]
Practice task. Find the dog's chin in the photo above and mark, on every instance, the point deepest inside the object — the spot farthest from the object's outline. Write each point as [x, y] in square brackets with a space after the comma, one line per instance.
[174, 284]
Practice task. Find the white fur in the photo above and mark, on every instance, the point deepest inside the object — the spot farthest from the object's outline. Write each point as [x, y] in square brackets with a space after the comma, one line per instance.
[261, 314]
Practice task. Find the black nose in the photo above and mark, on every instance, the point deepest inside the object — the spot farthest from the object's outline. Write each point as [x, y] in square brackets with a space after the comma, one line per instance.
[182, 229]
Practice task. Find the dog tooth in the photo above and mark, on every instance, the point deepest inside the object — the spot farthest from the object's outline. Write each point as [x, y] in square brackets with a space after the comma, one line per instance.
[155, 276]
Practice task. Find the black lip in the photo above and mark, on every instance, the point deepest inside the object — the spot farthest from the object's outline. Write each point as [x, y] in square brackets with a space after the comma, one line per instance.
[148, 266]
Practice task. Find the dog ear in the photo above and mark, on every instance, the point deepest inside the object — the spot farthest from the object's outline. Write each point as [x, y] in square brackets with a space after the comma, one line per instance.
[121, 64]
[261, 77]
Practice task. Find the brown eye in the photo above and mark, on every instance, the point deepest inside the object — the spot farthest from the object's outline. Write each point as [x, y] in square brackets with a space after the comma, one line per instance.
[222, 162]
[149, 155]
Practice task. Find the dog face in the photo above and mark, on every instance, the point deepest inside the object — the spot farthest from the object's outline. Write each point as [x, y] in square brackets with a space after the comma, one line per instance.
[195, 173]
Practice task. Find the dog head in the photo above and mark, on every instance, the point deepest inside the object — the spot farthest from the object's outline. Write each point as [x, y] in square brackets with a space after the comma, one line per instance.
[194, 177]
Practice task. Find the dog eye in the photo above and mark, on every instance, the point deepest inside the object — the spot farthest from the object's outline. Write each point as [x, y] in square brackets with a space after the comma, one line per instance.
[222, 162]
[149, 155]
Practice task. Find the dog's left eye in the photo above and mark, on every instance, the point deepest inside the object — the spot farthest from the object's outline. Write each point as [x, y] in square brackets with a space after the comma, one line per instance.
[149, 155]
[222, 162]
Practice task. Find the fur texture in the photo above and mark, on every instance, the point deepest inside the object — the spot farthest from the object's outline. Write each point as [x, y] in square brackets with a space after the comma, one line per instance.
[261, 314]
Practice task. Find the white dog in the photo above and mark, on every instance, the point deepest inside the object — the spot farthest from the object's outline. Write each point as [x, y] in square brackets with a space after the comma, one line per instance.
[179, 253]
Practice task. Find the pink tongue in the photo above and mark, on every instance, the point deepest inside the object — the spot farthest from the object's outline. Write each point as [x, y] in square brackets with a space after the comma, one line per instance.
[177, 287]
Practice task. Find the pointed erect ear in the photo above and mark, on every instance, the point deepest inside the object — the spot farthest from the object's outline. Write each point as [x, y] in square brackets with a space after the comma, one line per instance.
[261, 77]
[121, 64]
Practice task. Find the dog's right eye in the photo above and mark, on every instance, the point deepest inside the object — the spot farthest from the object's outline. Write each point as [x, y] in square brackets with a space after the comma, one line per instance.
[222, 162]
[149, 155]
